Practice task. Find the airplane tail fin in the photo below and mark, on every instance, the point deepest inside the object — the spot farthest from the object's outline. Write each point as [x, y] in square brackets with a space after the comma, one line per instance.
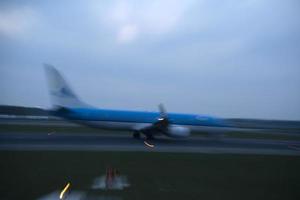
[62, 96]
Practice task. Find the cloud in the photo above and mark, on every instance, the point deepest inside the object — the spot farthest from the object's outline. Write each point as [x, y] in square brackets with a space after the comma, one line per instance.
[242, 55]
[127, 33]
[15, 22]
[129, 20]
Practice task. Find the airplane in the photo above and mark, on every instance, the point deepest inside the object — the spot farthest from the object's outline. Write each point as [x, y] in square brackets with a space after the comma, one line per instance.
[67, 105]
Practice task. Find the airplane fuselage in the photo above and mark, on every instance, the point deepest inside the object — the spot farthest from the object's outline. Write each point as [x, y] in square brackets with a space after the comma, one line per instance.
[67, 105]
[134, 120]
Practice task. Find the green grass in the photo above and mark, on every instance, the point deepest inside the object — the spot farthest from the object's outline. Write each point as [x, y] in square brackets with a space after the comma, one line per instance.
[28, 175]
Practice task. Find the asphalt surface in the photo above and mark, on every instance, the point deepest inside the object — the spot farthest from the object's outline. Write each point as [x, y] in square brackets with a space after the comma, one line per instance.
[105, 142]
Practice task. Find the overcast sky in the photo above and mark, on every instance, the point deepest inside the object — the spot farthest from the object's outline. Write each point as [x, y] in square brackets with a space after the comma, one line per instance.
[224, 58]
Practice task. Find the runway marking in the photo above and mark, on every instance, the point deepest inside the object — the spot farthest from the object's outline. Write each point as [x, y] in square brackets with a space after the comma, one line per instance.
[61, 196]
[294, 147]
[149, 145]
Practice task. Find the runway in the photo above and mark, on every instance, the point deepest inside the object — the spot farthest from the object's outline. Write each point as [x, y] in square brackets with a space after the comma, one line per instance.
[105, 142]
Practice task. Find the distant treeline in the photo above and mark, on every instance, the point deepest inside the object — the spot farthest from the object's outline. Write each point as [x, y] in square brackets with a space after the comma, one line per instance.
[264, 124]
[20, 110]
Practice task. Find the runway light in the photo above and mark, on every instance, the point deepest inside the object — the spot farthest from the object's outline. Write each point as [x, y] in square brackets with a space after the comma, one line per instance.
[149, 145]
[61, 196]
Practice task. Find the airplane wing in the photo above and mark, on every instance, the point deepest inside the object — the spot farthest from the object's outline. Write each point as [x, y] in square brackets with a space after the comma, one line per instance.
[160, 126]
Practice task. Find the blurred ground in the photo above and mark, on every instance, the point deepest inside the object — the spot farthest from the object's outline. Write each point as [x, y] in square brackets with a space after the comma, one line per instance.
[30, 175]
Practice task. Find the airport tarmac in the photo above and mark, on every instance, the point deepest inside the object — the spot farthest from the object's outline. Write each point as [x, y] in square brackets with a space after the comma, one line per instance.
[118, 142]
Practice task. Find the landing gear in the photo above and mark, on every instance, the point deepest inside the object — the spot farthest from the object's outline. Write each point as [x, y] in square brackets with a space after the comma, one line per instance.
[136, 135]
[149, 137]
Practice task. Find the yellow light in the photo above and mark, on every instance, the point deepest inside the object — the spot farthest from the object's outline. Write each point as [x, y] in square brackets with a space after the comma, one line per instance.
[64, 190]
[149, 145]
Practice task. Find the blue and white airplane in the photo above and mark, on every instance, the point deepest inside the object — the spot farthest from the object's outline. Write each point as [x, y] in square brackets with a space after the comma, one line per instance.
[67, 105]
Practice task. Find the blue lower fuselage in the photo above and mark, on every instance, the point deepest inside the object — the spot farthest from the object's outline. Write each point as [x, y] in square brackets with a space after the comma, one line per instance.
[133, 120]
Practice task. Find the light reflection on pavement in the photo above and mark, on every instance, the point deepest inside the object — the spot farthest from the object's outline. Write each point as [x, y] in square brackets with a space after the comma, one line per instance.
[111, 180]
[78, 195]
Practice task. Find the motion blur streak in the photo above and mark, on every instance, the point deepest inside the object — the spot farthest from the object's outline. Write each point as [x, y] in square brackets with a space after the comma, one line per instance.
[294, 147]
[63, 191]
[149, 145]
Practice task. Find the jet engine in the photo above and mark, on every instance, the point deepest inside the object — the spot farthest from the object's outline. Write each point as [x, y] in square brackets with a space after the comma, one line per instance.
[178, 131]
